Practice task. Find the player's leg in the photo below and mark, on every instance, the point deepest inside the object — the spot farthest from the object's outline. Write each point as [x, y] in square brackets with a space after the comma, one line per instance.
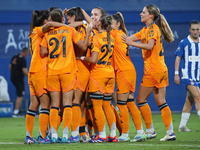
[143, 94]
[195, 92]
[136, 116]
[76, 115]
[30, 119]
[186, 113]
[159, 95]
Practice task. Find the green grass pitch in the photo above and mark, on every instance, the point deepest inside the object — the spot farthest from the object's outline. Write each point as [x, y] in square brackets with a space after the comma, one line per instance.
[12, 134]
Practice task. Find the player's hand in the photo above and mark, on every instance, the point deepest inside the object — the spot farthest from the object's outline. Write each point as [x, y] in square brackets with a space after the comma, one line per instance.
[89, 27]
[65, 11]
[126, 39]
[176, 79]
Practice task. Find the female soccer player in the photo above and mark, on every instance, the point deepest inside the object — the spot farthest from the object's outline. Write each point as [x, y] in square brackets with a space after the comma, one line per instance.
[126, 79]
[61, 74]
[102, 77]
[37, 77]
[83, 73]
[155, 78]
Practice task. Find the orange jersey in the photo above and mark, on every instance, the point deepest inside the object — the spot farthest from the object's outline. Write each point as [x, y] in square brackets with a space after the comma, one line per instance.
[82, 65]
[35, 39]
[61, 57]
[153, 59]
[103, 65]
[82, 31]
[95, 32]
[121, 60]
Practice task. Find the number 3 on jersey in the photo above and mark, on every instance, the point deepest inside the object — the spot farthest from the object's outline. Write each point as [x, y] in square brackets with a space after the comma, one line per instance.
[103, 60]
[52, 55]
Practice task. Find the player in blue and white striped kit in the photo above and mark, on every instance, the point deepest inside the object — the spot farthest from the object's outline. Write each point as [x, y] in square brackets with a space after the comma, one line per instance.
[189, 52]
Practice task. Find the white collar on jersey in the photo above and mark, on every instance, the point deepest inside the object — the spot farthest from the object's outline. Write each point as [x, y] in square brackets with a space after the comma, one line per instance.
[191, 41]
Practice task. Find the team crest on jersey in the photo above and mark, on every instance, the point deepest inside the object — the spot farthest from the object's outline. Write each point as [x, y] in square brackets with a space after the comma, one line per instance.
[192, 82]
[151, 33]
[178, 49]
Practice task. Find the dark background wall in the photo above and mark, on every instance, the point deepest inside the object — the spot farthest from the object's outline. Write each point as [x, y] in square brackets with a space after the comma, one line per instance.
[15, 18]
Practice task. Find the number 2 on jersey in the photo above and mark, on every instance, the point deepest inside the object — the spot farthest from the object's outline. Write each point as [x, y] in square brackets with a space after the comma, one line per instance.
[162, 50]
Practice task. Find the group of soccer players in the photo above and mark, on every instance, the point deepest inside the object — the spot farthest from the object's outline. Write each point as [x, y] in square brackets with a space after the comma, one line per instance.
[73, 72]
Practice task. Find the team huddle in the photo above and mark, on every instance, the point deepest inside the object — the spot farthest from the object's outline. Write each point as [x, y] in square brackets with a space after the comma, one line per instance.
[74, 69]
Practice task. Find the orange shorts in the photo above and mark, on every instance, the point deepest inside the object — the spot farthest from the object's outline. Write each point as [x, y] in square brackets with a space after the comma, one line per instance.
[62, 82]
[82, 79]
[155, 79]
[37, 83]
[104, 85]
[126, 81]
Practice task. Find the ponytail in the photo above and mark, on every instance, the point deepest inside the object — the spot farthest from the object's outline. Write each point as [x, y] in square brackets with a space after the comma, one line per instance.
[108, 29]
[161, 22]
[165, 28]
[33, 20]
[38, 18]
[122, 24]
[106, 24]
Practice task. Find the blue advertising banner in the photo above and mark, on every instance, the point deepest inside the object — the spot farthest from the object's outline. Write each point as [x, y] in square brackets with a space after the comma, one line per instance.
[15, 36]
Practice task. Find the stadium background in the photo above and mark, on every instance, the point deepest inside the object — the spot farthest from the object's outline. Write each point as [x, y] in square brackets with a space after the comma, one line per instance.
[15, 18]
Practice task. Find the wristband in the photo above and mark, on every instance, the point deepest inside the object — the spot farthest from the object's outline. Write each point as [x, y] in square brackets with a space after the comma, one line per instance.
[84, 22]
[176, 72]
[82, 57]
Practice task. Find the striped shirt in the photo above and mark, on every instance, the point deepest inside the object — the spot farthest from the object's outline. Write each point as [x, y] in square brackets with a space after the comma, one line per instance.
[189, 51]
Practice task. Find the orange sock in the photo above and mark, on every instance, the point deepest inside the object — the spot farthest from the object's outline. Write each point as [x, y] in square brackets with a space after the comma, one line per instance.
[166, 115]
[91, 120]
[86, 115]
[67, 119]
[146, 114]
[118, 120]
[30, 120]
[82, 127]
[97, 101]
[135, 113]
[76, 117]
[43, 122]
[60, 115]
[90, 127]
[54, 119]
[124, 115]
[110, 116]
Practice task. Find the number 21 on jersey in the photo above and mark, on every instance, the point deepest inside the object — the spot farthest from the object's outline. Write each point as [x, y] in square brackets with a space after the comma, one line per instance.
[52, 55]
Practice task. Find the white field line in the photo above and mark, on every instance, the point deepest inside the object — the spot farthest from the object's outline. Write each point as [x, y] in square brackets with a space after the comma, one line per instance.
[161, 145]
[178, 145]
[1, 143]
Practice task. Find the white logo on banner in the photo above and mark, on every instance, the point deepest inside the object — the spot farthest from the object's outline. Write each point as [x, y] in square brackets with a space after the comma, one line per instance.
[22, 40]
